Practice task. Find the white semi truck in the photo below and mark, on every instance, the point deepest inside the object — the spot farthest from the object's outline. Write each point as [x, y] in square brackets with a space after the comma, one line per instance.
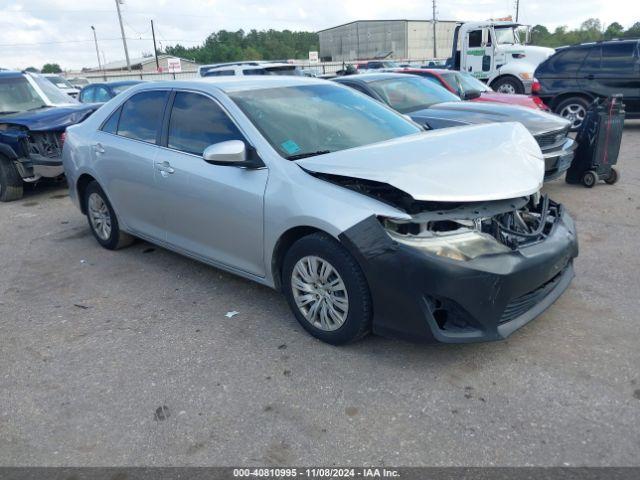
[494, 52]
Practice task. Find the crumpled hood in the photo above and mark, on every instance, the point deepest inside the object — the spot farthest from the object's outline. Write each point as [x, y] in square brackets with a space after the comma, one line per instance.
[536, 121]
[50, 118]
[463, 164]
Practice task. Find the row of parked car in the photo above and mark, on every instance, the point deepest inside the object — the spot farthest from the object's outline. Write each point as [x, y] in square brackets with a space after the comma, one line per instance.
[379, 202]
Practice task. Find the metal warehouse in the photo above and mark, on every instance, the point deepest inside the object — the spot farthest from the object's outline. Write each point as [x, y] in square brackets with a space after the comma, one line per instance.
[366, 39]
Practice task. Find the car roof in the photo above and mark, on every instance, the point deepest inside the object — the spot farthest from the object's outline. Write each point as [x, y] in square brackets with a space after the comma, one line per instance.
[10, 74]
[372, 77]
[115, 84]
[439, 71]
[234, 84]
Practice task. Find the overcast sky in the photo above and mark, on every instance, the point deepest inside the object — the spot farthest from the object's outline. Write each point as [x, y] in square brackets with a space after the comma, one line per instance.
[33, 32]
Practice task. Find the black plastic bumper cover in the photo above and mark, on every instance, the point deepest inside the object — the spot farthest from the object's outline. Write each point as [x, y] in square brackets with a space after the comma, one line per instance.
[423, 297]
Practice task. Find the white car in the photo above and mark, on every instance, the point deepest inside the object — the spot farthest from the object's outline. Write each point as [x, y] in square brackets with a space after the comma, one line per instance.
[63, 84]
[248, 68]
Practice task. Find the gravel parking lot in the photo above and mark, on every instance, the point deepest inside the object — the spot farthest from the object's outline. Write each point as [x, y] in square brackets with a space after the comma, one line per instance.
[127, 358]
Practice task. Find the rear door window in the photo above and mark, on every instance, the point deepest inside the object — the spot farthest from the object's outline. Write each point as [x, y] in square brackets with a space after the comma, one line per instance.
[197, 122]
[619, 56]
[142, 116]
[567, 62]
[220, 73]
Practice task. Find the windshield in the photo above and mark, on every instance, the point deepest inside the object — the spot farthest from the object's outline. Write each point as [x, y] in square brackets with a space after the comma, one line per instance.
[60, 82]
[17, 95]
[464, 82]
[409, 94]
[506, 36]
[54, 94]
[309, 120]
[121, 88]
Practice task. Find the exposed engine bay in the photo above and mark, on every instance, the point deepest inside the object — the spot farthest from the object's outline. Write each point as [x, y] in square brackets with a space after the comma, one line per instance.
[45, 144]
[464, 230]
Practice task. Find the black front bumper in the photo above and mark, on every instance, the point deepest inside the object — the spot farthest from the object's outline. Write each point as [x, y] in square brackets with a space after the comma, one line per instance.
[424, 297]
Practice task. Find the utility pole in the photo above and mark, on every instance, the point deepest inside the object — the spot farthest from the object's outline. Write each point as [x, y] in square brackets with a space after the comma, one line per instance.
[124, 40]
[435, 54]
[517, 9]
[155, 50]
[95, 39]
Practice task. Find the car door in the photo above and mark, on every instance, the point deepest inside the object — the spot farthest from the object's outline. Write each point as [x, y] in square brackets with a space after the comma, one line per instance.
[124, 150]
[619, 72]
[212, 211]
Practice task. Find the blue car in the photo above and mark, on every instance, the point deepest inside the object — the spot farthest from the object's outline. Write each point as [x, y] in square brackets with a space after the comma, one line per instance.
[33, 117]
[103, 92]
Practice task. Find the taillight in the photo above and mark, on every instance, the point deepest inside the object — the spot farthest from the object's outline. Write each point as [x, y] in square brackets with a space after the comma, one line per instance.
[535, 86]
[62, 138]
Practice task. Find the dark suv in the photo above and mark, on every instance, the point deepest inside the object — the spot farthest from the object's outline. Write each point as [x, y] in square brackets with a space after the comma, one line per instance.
[574, 76]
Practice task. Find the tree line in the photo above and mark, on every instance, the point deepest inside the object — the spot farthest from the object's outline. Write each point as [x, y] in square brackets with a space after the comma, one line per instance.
[591, 30]
[226, 46]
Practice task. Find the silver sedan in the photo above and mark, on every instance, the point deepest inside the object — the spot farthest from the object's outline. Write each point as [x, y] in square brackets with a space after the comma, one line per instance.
[319, 191]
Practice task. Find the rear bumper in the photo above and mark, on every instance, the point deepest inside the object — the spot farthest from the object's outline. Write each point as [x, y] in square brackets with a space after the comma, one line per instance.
[422, 297]
[558, 160]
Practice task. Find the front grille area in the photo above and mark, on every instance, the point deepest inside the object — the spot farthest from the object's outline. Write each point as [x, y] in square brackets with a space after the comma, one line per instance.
[521, 305]
[551, 139]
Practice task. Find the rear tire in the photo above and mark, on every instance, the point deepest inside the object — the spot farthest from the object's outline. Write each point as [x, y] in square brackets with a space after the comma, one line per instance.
[326, 290]
[10, 181]
[573, 109]
[509, 85]
[102, 219]
[613, 177]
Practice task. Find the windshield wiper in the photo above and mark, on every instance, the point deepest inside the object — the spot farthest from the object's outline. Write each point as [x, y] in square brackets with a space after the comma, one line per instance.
[8, 112]
[37, 108]
[298, 156]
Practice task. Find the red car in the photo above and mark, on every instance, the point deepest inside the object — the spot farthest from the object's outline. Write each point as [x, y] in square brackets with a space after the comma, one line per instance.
[467, 87]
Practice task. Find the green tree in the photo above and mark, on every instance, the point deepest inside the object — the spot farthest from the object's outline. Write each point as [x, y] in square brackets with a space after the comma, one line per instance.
[633, 31]
[51, 68]
[32, 69]
[614, 30]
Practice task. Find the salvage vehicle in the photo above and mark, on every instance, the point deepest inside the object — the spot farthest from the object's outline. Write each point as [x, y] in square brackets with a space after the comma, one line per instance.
[103, 92]
[63, 84]
[362, 219]
[494, 52]
[33, 117]
[434, 107]
[468, 87]
[577, 75]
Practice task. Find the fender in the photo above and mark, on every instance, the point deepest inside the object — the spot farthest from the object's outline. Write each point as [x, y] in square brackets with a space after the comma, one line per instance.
[8, 152]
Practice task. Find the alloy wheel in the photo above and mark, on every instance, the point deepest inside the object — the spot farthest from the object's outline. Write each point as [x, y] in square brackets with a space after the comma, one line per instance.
[320, 293]
[99, 216]
[507, 88]
[575, 113]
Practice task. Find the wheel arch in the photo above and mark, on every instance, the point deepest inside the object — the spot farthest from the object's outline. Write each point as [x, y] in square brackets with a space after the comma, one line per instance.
[282, 245]
[565, 95]
[81, 187]
[503, 76]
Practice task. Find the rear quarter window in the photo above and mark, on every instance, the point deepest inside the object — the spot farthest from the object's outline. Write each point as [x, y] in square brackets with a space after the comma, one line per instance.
[566, 62]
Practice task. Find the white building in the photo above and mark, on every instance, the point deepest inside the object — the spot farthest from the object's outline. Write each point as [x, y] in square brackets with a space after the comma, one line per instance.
[396, 39]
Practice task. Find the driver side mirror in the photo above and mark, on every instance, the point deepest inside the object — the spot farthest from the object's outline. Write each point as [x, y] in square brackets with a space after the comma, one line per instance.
[471, 94]
[232, 153]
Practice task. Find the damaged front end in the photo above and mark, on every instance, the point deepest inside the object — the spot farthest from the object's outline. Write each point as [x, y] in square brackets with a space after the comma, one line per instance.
[35, 154]
[466, 231]
[461, 271]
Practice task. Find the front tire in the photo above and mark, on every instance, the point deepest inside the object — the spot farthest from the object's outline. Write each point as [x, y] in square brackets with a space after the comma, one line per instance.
[326, 290]
[10, 181]
[509, 85]
[102, 219]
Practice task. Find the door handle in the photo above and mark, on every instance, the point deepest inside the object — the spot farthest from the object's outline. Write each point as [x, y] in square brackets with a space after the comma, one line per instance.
[98, 148]
[164, 168]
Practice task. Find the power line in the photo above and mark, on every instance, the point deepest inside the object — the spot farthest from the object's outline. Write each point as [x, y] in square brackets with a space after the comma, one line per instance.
[145, 39]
